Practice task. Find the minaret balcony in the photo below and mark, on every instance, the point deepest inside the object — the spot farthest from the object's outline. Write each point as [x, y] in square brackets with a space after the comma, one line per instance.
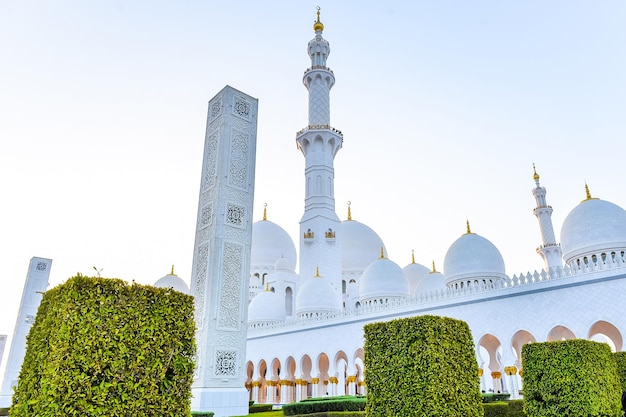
[309, 236]
[318, 67]
[320, 127]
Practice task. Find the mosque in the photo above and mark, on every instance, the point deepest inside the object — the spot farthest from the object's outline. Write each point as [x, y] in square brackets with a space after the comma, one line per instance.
[305, 329]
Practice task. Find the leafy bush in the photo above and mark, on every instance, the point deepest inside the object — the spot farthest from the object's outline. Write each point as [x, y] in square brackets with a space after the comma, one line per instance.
[202, 414]
[326, 404]
[336, 414]
[570, 378]
[490, 398]
[260, 408]
[620, 359]
[102, 347]
[421, 366]
[496, 409]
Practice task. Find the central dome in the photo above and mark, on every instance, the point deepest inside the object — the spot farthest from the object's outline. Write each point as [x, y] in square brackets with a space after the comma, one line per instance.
[271, 242]
[360, 245]
[592, 227]
[472, 257]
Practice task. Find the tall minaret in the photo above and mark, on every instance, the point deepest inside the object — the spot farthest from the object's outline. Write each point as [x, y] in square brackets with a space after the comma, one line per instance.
[549, 250]
[319, 143]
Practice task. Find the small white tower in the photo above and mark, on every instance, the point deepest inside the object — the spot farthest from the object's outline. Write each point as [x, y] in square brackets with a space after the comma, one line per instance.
[319, 143]
[549, 250]
[34, 287]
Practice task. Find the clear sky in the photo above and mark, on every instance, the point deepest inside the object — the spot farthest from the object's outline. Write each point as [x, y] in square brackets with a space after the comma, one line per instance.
[444, 106]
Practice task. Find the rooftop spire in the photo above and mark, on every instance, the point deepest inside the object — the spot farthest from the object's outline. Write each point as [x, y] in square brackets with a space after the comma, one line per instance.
[267, 286]
[317, 272]
[535, 175]
[588, 194]
[469, 230]
[265, 212]
[349, 211]
[318, 25]
[172, 272]
[382, 252]
[434, 269]
[412, 256]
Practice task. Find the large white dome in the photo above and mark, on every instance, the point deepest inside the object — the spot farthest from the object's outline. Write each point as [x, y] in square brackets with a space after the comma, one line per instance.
[269, 243]
[172, 281]
[318, 295]
[266, 307]
[360, 245]
[593, 226]
[383, 278]
[472, 257]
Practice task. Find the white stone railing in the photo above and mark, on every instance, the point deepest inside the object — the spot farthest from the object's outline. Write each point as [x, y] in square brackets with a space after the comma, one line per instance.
[515, 283]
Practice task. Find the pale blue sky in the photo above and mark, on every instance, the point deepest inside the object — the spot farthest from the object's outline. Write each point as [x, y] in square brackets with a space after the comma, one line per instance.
[444, 106]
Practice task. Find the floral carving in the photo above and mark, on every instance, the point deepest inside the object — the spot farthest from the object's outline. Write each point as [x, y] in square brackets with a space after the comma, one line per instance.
[238, 168]
[241, 108]
[210, 162]
[229, 303]
[226, 362]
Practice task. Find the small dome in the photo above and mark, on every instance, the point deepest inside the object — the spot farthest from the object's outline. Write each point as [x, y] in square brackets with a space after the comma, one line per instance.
[282, 264]
[318, 295]
[172, 281]
[434, 281]
[360, 245]
[473, 257]
[269, 243]
[383, 278]
[415, 273]
[266, 307]
[591, 227]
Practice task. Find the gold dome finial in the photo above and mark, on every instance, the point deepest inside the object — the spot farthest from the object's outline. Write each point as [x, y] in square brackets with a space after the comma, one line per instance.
[434, 269]
[267, 286]
[172, 271]
[264, 212]
[382, 252]
[349, 211]
[535, 175]
[469, 230]
[317, 272]
[318, 25]
[587, 191]
[412, 256]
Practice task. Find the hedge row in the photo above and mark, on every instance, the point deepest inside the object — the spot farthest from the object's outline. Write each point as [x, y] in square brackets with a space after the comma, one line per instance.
[325, 405]
[421, 366]
[620, 359]
[504, 409]
[260, 408]
[102, 347]
[570, 378]
[335, 414]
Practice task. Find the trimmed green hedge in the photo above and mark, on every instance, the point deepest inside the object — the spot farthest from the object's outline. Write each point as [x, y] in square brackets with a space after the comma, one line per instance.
[421, 366]
[260, 408]
[335, 414]
[570, 378]
[102, 347]
[620, 359]
[504, 409]
[325, 404]
[202, 414]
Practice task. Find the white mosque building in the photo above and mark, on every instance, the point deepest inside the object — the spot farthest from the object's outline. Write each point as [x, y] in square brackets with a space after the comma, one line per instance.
[305, 329]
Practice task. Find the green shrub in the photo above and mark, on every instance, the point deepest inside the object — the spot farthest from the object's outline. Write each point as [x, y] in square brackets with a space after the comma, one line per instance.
[516, 408]
[202, 414]
[102, 347]
[496, 409]
[620, 359]
[421, 366]
[260, 408]
[570, 378]
[335, 414]
[490, 398]
[4, 411]
[325, 404]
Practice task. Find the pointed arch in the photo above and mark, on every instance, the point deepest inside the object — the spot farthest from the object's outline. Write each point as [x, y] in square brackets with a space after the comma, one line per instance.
[603, 331]
[560, 333]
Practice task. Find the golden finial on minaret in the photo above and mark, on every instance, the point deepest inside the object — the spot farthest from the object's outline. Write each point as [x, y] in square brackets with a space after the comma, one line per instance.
[318, 25]
[265, 212]
[434, 269]
[412, 256]
[317, 272]
[469, 230]
[172, 272]
[535, 175]
[349, 211]
[382, 252]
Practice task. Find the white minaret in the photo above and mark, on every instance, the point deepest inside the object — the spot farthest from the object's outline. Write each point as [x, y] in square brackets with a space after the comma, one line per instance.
[549, 250]
[221, 259]
[319, 143]
[34, 287]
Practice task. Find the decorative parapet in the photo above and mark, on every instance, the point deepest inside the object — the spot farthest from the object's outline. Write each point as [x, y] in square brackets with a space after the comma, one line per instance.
[597, 266]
